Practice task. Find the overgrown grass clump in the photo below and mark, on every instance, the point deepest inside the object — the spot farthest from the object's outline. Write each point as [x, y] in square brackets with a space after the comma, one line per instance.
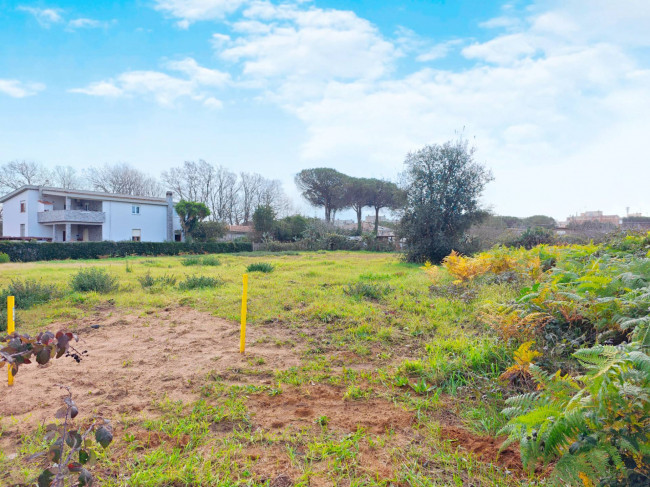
[260, 267]
[199, 282]
[4, 258]
[367, 290]
[204, 260]
[148, 281]
[94, 279]
[27, 293]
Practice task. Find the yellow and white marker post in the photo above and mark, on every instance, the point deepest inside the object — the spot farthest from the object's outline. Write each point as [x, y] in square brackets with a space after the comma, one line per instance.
[244, 299]
[11, 326]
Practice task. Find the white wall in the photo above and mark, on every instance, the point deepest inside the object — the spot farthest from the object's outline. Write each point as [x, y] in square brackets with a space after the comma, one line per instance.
[13, 218]
[120, 222]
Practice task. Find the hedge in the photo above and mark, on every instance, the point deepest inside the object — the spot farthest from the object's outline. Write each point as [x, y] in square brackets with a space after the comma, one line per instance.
[32, 251]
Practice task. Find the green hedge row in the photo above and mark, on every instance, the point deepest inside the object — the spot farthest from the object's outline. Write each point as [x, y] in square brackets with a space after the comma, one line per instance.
[32, 251]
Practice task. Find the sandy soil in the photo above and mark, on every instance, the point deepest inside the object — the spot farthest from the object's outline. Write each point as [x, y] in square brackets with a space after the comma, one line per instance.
[135, 359]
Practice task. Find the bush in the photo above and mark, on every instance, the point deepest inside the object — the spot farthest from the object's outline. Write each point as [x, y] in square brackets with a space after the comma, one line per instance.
[209, 260]
[533, 237]
[595, 428]
[199, 282]
[367, 290]
[148, 280]
[4, 258]
[260, 267]
[94, 279]
[34, 251]
[27, 293]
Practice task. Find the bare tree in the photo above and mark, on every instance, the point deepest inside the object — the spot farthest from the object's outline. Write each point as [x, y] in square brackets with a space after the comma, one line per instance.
[15, 174]
[66, 177]
[123, 179]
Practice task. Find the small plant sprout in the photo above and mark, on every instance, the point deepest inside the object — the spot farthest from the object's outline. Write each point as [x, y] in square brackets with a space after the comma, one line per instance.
[322, 421]
[421, 387]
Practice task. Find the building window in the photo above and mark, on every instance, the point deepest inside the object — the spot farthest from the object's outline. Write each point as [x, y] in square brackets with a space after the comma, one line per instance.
[22, 229]
[135, 210]
[23, 206]
[86, 206]
[136, 235]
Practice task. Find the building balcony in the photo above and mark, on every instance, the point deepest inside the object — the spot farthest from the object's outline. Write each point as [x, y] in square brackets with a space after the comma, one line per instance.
[71, 216]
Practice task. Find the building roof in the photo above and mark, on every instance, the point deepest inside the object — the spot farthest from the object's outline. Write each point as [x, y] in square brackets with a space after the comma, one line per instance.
[76, 193]
[240, 228]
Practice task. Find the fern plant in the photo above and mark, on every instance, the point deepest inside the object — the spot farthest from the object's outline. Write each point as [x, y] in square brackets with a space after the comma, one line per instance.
[597, 426]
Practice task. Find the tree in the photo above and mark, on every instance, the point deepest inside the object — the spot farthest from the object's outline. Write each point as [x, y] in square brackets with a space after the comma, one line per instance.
[384, 194]
[15, 174]
[359, 195]
[123, 179]
[66, 177]
[322, 186]
[191, 213]
[443, 185]
[209, 231]
[263, 220]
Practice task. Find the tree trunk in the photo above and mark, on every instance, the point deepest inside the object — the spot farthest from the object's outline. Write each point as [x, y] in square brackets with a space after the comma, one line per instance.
[359, 220]
[376, 221]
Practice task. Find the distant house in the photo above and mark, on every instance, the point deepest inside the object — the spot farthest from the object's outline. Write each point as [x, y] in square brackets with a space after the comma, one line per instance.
[238, 231]
[594, 216]
[66, 215]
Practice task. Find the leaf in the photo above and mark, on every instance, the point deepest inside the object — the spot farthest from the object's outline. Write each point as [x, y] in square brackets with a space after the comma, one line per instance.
[54, 454]
[84, 456]
[103, 436]
[43, 356]
[61, 413]
[85, 478]
[75, 467]
[73, 439]
[45, 478]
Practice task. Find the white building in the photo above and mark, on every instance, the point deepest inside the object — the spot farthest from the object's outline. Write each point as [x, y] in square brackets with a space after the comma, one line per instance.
[67, 215]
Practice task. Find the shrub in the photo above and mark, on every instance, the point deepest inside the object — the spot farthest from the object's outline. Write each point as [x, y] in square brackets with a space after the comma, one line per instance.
[367, 290]
[33, 251]
[28, 293]
[199, 282]
[94, 279]
[4, 258]
[533, 237]
[148, 280]
[260, 267]
[595, 426]
[191, 260]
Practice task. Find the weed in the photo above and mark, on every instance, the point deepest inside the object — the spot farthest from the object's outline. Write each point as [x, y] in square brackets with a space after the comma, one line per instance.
[93, 279]
[367, 290]
[4, 258]
[147, 280]
[28, 293]
[260, 267]
[204, 260]
[199, 282]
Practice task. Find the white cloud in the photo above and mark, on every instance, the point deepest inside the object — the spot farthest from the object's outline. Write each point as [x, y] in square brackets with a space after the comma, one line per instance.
[199, 74]
[438, 51]
[162, 87]
[18, 89]
[307, 45]
[44, 16]
[101, 88]
[85, 23]
[189, 11]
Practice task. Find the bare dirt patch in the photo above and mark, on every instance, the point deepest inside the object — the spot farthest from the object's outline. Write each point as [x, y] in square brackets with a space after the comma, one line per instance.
[132, 361]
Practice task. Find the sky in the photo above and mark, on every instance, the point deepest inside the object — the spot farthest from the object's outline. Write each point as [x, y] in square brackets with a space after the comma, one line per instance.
[554, 94]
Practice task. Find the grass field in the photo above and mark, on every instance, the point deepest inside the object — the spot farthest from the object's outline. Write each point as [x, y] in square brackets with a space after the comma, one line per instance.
[393, 383]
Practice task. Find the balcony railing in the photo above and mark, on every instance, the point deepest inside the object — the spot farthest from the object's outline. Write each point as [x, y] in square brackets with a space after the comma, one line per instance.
[71, 216]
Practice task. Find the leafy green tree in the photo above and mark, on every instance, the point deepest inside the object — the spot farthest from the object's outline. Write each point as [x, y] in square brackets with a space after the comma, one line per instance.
[443, 184]
[209, 231]
[191, 213]
[324, 187]
[263, 220]
[384, 194]
[290, 228]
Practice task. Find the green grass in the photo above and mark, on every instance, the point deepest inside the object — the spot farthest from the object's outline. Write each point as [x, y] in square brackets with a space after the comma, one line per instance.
[364, 323]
